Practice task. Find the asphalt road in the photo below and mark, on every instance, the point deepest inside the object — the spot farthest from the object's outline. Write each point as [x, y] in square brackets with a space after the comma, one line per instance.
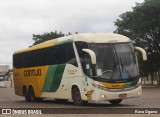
[149, 99]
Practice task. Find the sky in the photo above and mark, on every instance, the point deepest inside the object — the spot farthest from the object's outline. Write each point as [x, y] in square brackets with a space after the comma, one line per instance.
[19, 19]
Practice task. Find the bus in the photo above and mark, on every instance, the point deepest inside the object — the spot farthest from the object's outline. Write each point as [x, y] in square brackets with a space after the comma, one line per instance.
[80, 67]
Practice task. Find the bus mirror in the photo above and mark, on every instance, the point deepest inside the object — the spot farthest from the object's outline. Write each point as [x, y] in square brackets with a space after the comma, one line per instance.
[144, 55]
[92, 55]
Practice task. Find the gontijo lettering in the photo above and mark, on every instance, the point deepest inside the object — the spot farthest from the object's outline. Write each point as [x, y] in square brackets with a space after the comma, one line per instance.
[33, 72]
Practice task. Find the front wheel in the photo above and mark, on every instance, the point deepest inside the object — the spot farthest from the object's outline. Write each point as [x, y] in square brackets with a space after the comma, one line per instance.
[115, 102]
[76, 96]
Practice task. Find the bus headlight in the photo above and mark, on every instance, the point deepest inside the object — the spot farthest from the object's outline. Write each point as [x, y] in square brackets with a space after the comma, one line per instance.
[103, 96]
[100, 87]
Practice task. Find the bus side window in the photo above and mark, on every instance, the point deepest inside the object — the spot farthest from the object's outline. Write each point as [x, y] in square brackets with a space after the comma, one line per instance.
[86, 64]
[84, 57]
[66, 54]
[60, 54]
[70, 55]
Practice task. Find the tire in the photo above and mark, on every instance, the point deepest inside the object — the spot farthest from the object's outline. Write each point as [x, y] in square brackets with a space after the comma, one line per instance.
[26, 95]
[115, 102]
[76, 96]
[32, 96]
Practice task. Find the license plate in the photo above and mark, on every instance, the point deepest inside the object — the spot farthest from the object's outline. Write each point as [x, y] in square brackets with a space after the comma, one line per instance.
[122, 95]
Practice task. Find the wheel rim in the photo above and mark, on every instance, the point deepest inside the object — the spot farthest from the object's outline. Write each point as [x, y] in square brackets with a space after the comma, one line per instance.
[77, 97]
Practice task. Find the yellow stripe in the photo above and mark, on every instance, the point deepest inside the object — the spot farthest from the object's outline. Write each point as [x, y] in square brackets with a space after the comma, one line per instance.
[113, 85]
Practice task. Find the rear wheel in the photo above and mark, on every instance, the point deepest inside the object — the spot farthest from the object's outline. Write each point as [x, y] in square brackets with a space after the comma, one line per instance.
[26, 94]
[76, 96]
[115, 102]
[32, 96]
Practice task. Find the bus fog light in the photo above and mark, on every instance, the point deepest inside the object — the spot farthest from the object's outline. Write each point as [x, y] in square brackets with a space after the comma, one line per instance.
[103, 96]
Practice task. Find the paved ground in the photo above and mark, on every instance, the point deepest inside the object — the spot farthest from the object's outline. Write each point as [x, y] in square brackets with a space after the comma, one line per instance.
[149, 99]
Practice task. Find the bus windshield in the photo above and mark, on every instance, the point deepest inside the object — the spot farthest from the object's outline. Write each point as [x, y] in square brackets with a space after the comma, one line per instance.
[115, 61]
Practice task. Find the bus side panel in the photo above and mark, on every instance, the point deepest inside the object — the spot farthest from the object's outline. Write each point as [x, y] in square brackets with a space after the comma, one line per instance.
[33, 76]
[53, 78]
[68, 76]
[84, 83]
[55, 83]
[17, 82]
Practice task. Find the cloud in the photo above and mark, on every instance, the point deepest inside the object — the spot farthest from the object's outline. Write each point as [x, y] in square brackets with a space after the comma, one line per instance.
[19, 19]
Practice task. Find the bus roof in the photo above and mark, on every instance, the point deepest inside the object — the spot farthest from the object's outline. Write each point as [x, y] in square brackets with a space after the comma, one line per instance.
[85, 37]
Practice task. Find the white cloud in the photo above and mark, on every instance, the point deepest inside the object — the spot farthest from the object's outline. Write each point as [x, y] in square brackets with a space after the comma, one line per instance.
[19, 19]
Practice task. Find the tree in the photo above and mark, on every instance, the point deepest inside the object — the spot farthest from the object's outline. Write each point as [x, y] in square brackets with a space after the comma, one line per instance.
[142, 25]
[48, 36]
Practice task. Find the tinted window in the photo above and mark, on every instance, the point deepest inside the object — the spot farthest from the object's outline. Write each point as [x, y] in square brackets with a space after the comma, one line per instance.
[84, 57]
[61, 54]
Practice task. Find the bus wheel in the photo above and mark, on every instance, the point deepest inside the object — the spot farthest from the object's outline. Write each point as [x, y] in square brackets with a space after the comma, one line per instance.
[76, 96]
[32, 95]
[26, 95]
[115, 102]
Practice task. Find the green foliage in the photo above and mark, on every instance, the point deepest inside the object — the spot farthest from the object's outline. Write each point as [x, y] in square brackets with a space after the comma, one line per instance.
[142, 25]
[48, 36]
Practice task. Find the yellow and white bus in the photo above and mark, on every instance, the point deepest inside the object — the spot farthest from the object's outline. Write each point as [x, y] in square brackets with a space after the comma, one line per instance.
[82, 67]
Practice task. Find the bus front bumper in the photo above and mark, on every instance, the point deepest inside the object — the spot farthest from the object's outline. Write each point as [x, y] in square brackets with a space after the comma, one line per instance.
[102, 95]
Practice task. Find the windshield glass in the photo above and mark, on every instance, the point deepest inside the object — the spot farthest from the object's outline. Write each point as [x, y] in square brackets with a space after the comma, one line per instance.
[115, 61]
